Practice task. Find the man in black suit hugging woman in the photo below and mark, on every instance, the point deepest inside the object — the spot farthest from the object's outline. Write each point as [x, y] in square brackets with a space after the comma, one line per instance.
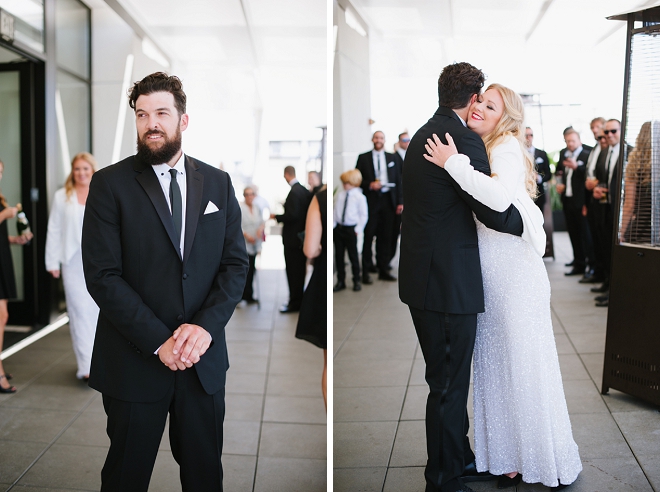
[164, 259]
[381, 184]
[440, 275]
[293, 220]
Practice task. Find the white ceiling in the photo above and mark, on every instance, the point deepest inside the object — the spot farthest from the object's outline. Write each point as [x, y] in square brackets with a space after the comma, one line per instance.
[564, 50]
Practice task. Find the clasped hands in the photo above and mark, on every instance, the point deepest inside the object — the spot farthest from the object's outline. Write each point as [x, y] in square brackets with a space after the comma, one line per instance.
[185, 347]
[438, 153]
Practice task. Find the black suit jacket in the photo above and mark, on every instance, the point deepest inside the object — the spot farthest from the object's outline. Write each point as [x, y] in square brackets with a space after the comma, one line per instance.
[294, 216]
[365, 164]
[143, 288]
[542, 165]
[578, 178]
[439, 268]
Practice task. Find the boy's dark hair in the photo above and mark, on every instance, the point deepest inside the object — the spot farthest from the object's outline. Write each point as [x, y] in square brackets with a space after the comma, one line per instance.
[159, 82]
[458, 83]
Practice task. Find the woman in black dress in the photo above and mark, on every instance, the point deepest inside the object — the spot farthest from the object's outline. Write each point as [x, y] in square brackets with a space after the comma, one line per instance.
[7, 281]
[312, 322]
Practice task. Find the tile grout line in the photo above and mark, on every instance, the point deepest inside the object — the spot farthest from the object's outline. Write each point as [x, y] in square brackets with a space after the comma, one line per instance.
[350, 332]
[53, 441]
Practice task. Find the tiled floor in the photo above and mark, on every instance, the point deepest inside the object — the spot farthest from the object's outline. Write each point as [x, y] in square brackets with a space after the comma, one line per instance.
[380, 394]
[52, 431]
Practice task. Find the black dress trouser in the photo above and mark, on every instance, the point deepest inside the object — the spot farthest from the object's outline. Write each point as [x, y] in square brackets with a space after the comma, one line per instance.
[135, 430]
[345, 240]
[381, 226]
[447, 342]
[296, 268]
[575, 225]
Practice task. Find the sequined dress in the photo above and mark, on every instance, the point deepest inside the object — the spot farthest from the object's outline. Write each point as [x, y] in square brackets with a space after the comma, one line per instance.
[521, 420]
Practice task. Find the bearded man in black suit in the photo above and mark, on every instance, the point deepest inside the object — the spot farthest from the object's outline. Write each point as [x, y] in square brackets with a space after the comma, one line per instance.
[164, 258]
[293, 220]
[440, 275]
[381, 184]
[542, 165]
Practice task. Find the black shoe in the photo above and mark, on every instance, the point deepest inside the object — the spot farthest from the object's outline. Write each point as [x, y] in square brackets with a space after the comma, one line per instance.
[366, 279]
[559, 487]
[339, 286]
[287, 309]
[575, 271]
[470, 474]
[504, 482]
[357, 286]
[570, 264]
[252, 300]
[604, 303]
[591, 279]
[373, 269]
[11, 389]
[602, 298]
[601, 289]
[386, 276]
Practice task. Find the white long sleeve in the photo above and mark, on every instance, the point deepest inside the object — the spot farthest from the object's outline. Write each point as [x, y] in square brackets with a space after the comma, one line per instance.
[499, 191]
[54, 243]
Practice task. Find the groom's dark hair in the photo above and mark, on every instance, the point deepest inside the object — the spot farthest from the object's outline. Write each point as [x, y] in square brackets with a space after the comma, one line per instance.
[458, 83]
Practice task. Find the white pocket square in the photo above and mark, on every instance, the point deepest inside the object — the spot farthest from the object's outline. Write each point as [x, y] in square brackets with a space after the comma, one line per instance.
[210, 208]
[390, 164]
[539, 160]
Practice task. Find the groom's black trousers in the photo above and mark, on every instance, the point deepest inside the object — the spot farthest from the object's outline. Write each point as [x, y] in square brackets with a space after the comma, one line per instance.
[447, 342]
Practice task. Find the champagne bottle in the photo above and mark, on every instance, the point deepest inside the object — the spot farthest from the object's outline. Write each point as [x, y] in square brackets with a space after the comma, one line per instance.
[22, 224]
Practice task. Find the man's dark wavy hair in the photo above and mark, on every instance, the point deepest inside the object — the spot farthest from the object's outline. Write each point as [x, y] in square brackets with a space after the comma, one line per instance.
[159, 82]
[458, 83]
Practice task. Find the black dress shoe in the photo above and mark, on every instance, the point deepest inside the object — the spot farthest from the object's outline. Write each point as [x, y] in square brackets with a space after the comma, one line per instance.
[591, 279]
[504, 482]
[604, 303]
[470, 474]
[570, 264]
[366, 279]
[287, 309]
[601, 289]
[339, 286]
[574, 271]
[373, 269]
[357, 286]
[388, 277]
[602, 298]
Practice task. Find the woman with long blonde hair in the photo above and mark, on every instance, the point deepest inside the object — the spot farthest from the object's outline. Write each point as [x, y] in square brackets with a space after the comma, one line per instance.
[64, 257]
[521, 426]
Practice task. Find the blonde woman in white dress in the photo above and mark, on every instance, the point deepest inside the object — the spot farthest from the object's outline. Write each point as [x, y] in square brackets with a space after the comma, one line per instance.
[64, 257]
[522, 429]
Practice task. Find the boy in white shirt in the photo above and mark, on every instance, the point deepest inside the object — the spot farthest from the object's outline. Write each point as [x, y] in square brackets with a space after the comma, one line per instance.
[350, 216]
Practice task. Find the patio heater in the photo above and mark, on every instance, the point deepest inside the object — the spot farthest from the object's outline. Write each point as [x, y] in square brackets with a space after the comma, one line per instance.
[632, 347]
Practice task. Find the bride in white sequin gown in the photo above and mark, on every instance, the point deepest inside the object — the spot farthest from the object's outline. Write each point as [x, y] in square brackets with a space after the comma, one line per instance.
[521, 422]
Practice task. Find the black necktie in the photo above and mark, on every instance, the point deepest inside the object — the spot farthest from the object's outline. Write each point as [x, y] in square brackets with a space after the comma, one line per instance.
[175, 200]
[343, 214]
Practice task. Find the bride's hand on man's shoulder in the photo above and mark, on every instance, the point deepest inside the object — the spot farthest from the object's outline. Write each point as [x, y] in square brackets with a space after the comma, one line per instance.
[437, 152]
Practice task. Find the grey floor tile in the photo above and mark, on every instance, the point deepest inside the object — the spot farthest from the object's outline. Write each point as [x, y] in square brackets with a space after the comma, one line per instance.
[301, 384]
[51, 397]
[289, 366]
[417, 377]
[238, 473]
[89, 429]
[368, 404]
[250, 364]
[408, 479]
[641, 430]
[248, 335]
[67, 466]
[612, 475]
[248, 347]
[363, 444]
[245, 383]
[598, 436]
[291, 475]
[379, 349]
[651, 467]
[588, 343]
[293, 441]
[409, 444]
[295, 409]
[16, 457]
[594, 365]
[356, 372]
[583, 397]
[240, 437]
[165, 477]
[358, 479]
[617, 402]
[572, 367]
[563, 344]
[243, 407]
[21, 424]
[414, 407]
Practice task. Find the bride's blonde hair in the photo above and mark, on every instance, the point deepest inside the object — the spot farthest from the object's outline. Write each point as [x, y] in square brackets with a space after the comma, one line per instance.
[511, 125]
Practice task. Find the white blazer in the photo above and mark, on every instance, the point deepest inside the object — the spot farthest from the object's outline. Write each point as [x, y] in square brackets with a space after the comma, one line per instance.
[64, 230]
[506, 187]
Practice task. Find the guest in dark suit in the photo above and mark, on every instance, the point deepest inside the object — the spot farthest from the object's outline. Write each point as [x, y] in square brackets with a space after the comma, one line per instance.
[572, 169]
[165, 261]
[440, 275]
[542, 163]
[314, 182]
[399, 155]
[596, 160]
[293, 220]
[381, 184]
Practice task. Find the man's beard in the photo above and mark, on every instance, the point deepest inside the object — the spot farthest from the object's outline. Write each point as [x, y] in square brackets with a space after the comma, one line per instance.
[161, 155]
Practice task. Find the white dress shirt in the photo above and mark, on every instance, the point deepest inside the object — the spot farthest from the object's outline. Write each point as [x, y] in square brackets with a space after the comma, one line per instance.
[380, 169]
[569, 171]
[591, 162]
[163, 173]
[356, 209]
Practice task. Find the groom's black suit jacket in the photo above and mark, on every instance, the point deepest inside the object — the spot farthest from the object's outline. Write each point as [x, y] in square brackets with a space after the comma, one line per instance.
[439, 268]
[143, 288]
